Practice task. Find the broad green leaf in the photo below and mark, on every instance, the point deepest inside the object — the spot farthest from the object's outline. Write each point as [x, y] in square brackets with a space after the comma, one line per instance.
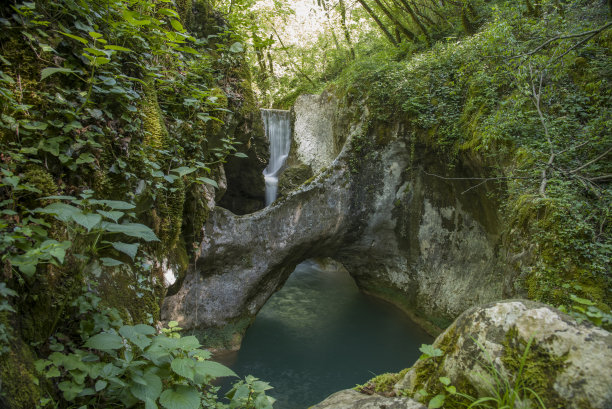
[582, 301]
[150, 390]
[188, 343]
[240, 155]
[446, 381]
[117, 48]
[115, 204]
[36, 126]
[437, 402]
[168, 12]
[183, 367]
[105, 341]
[110, 262]
[144, 329]
[100, 60]
[89, 221]
[212, 369]
[170, 178]
[59, 197]
[184, 170]
[62, 211]
[137, 338]
[133, 230]
[85, 158]
[129, 249]
[79, 39]
[261, 386]
[70, 389]
[189, 50]
[93, 34]
[208, 181]
[133, 18]
[53, 70]
[430, 351]
[180, 397]
[100, 385]
[177, 25]
[113, 215]
[236, 47]
[96, 52]
[264, 402]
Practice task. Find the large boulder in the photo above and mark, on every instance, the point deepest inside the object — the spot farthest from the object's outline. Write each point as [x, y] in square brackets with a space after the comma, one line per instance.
[568, 364]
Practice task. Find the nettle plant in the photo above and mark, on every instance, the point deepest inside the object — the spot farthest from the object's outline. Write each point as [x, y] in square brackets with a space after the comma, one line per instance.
[138, 366]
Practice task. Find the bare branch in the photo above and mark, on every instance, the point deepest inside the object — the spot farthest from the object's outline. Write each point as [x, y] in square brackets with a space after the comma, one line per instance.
[592, 161]
[590, 35]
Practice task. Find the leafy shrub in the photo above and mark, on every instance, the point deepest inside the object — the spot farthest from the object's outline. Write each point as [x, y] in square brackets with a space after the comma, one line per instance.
[135, 365]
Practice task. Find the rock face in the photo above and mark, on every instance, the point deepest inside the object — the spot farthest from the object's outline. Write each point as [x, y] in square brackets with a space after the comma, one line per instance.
[568, 364]
[427, 243]
[350, 399]
[314, 142]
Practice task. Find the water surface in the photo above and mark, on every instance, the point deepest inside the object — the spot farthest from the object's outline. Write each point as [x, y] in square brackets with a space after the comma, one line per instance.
[319, 334]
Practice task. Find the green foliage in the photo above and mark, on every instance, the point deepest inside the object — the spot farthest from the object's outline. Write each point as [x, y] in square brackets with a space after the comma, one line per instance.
[131, 365]
[109, 112]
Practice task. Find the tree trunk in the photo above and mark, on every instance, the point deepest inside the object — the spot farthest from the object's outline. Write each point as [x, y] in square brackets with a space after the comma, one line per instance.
[347, 34]
[415, 18]
[378, 22]
[468, 26]
[409, 34]
[423, 15]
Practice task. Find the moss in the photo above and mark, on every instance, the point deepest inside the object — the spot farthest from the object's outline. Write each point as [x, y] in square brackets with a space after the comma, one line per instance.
[293, 177]
[382, 384]
[18, 378]
[41, 179]
[153, 123]
[540, 368]
[121, 289]
[170, 205]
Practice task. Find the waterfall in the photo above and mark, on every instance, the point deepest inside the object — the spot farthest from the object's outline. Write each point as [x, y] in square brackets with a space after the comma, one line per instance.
[277, 124]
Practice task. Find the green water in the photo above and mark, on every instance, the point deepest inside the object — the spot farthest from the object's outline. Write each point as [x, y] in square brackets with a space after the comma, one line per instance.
[319, 334]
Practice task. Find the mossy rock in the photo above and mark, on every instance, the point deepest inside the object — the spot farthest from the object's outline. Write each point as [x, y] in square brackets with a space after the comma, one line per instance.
[19, 383]
[292, 178]
[526, 345]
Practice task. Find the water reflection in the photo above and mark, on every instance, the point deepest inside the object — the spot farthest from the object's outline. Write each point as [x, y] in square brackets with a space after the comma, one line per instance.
[319, 334]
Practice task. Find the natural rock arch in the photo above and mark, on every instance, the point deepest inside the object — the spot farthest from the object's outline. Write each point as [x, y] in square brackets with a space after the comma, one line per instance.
[403, 234]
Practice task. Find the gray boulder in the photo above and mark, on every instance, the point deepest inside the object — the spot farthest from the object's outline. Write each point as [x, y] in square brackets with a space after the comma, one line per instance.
[569, 365]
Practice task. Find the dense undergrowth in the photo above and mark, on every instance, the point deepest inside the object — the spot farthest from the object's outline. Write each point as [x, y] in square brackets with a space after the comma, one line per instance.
[529, 95]
[111, 133]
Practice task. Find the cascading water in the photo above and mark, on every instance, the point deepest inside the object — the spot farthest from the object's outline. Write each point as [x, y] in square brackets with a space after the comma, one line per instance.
[277, 124]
